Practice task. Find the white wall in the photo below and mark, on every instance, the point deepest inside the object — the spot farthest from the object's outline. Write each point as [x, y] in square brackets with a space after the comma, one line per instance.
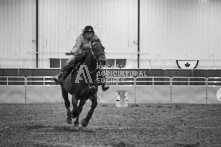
[170, 30]
[181, 29]
[17, 33]
[114, 21]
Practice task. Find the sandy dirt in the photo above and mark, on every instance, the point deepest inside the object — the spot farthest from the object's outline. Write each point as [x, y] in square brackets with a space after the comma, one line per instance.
[139, 125]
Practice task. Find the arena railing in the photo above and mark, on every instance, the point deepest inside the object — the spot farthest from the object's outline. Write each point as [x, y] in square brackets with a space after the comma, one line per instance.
[158, 80]
[40, 80]
[174, 87]
[188, 81]
[121, 80]
[12, 80]
[153, 80]
[214, 81]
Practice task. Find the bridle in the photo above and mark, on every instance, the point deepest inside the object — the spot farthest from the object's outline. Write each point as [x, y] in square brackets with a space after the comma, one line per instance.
[97, 60]
[92, 52]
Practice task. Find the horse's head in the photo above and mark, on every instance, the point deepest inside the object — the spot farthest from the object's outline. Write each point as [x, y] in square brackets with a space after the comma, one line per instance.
[98, 53]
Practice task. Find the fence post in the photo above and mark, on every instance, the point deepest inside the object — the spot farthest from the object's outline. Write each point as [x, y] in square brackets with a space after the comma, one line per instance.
[206, 89]
[26, 90]
[135, 90]
[171, 89]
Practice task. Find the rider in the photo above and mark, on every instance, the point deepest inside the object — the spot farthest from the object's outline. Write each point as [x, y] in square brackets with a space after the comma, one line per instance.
[83, 41]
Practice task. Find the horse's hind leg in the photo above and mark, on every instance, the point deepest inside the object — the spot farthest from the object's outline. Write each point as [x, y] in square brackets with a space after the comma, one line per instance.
[86, 120]
[80, 108]
[67, 105]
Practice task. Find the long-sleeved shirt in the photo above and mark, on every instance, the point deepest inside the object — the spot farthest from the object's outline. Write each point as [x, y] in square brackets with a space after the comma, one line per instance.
[82, 42]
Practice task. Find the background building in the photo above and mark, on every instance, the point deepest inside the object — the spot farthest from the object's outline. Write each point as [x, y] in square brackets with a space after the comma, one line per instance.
[150, 34]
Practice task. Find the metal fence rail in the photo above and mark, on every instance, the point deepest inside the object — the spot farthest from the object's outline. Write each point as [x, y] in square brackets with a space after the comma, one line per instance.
[12, 80]
[33, 89]
[48, 80]
[152, 80]
[214, 81]
[40, 80]
[188, 81]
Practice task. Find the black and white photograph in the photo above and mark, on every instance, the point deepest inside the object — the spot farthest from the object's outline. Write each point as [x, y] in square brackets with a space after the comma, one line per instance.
[110, 73]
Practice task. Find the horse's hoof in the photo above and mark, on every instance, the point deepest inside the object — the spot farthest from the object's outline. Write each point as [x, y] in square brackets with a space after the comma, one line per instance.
[84, 123]
[69, 120]
[76, 124]
[76, 128]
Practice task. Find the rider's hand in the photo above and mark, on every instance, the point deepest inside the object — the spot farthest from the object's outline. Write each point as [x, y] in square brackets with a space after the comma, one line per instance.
[71, 52]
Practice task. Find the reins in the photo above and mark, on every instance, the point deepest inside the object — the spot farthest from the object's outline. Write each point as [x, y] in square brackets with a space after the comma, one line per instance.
[97, 61]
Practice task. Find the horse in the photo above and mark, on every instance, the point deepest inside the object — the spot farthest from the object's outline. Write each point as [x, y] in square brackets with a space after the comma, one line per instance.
[82, 84]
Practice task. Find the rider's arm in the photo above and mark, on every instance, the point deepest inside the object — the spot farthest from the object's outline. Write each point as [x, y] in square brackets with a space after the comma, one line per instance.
[77, 45]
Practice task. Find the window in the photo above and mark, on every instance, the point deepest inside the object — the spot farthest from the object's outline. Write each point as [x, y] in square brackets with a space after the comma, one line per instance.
[57, 62]
[121, 63]
[111, 63]
[63, 61]
[117, 63]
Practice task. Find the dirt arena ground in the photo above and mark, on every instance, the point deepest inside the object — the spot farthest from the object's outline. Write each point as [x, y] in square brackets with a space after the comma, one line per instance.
[140, 125]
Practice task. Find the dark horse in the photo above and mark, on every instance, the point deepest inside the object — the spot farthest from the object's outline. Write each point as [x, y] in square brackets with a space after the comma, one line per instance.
[82, 84]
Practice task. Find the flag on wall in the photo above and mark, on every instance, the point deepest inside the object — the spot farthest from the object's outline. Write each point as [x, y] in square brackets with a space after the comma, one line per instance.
[187, 64]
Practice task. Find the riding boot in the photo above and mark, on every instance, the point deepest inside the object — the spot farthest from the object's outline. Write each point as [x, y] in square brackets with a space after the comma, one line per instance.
[102, 79]
[104, 86]
[65, 71]
[70, 64]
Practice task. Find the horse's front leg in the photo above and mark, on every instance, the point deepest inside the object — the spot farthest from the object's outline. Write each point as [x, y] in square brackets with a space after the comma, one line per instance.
[80, 108]
[86, 120]
[74, 103]
[67, 105]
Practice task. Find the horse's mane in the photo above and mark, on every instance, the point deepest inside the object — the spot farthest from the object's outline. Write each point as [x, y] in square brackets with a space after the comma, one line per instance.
[85, 59]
